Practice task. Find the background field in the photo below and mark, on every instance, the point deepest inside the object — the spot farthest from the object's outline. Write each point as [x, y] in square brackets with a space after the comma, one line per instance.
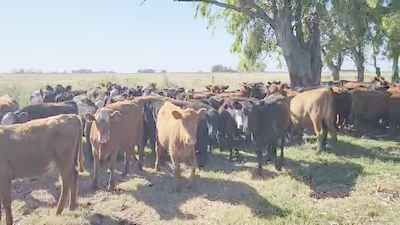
[357, 183]
[20, 85]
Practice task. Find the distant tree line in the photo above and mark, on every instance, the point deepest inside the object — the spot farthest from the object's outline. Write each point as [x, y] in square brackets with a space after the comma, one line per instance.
[90, 71]
[149, 70]
[35, 71]
[224, 69]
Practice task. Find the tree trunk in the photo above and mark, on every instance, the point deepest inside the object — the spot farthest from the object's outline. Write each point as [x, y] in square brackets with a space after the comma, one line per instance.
[377, 69]
[395, 69]
[303, 69]
[359, 60]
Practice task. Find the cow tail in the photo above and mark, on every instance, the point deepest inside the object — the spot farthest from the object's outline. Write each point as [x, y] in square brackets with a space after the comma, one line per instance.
[79, 152]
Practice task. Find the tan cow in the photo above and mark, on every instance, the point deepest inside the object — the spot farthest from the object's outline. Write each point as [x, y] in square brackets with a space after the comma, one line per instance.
[117, 126]
[35, 148]
[176, 132]
[315, 108]
[7, 104]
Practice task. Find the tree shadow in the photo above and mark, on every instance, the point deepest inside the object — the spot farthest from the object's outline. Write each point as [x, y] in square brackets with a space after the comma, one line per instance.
[356, 151]
[326, 179]
[160, 197]
[98, 219]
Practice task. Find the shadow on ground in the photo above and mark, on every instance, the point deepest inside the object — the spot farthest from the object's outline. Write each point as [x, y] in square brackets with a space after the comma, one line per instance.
[355, 151]
[99, 219]
[326, 179]
[167, 203]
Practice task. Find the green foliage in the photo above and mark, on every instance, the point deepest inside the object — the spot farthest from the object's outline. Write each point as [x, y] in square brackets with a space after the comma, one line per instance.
[391, 25]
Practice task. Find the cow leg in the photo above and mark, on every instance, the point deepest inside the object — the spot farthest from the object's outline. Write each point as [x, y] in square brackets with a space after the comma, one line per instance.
[88, 142]
[73, 189]
[272, 150]
[260, 160]
[113, 162]
[333, 133]
[127, 155]
[324, 134]
[65, 189]
[140, 148]
[319, 132]
[193, 164]
[5, 193]
[96, 165]
[281, 159]
[177, 171]
[158, 156]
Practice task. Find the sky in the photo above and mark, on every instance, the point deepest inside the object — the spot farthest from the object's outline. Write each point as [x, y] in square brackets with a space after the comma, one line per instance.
[118, 35]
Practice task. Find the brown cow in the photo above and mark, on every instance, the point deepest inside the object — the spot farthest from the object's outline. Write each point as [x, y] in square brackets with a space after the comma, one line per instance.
[117, 126]
[176, 132]
[35, 148]
[7, 104]
[315, 107]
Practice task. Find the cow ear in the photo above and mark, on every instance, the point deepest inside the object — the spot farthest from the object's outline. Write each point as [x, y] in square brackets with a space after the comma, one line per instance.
[49, 88]
[68, 88]
[201, 112]
[89, 117]
[41, 93]
[116, 114]
[177, 115]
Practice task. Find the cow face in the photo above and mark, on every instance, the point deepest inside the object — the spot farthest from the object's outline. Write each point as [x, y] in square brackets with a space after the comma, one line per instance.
[240, 113]
[190, 119]
[36, 98]
[102, 119]
[14, 117]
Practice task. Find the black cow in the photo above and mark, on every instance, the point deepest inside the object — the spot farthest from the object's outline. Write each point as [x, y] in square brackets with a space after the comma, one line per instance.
[233, 117]
[37, 111]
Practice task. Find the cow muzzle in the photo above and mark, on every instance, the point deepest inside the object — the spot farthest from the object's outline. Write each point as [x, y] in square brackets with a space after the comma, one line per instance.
[104, 139]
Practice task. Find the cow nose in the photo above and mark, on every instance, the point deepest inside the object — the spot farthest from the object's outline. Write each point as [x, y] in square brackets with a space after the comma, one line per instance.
[240, 126]
[104, 139]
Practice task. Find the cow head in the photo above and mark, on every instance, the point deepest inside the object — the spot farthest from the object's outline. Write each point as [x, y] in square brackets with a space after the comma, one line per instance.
[190, 119]
[102, 118]
[241, 115]
[14, 117]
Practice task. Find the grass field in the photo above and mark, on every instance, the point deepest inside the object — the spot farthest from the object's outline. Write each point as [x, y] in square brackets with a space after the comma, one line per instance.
[357, 183]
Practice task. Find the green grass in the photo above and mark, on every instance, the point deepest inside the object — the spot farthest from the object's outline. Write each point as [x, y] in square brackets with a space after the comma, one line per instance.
[356, 183]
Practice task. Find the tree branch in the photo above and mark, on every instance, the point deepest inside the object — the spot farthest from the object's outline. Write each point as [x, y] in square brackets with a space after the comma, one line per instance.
[259, 13]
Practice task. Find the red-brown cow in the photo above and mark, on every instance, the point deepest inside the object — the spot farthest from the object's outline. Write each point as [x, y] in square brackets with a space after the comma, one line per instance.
[176, 132]
[34, 149]
[117, 126]
[315, 107]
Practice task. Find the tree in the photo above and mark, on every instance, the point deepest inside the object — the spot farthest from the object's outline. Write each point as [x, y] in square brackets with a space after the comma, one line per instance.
[260, 27]
[391, 25]
[333, 43]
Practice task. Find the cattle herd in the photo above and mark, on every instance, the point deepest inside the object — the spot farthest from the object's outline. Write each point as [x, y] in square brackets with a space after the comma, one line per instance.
[184, 124]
